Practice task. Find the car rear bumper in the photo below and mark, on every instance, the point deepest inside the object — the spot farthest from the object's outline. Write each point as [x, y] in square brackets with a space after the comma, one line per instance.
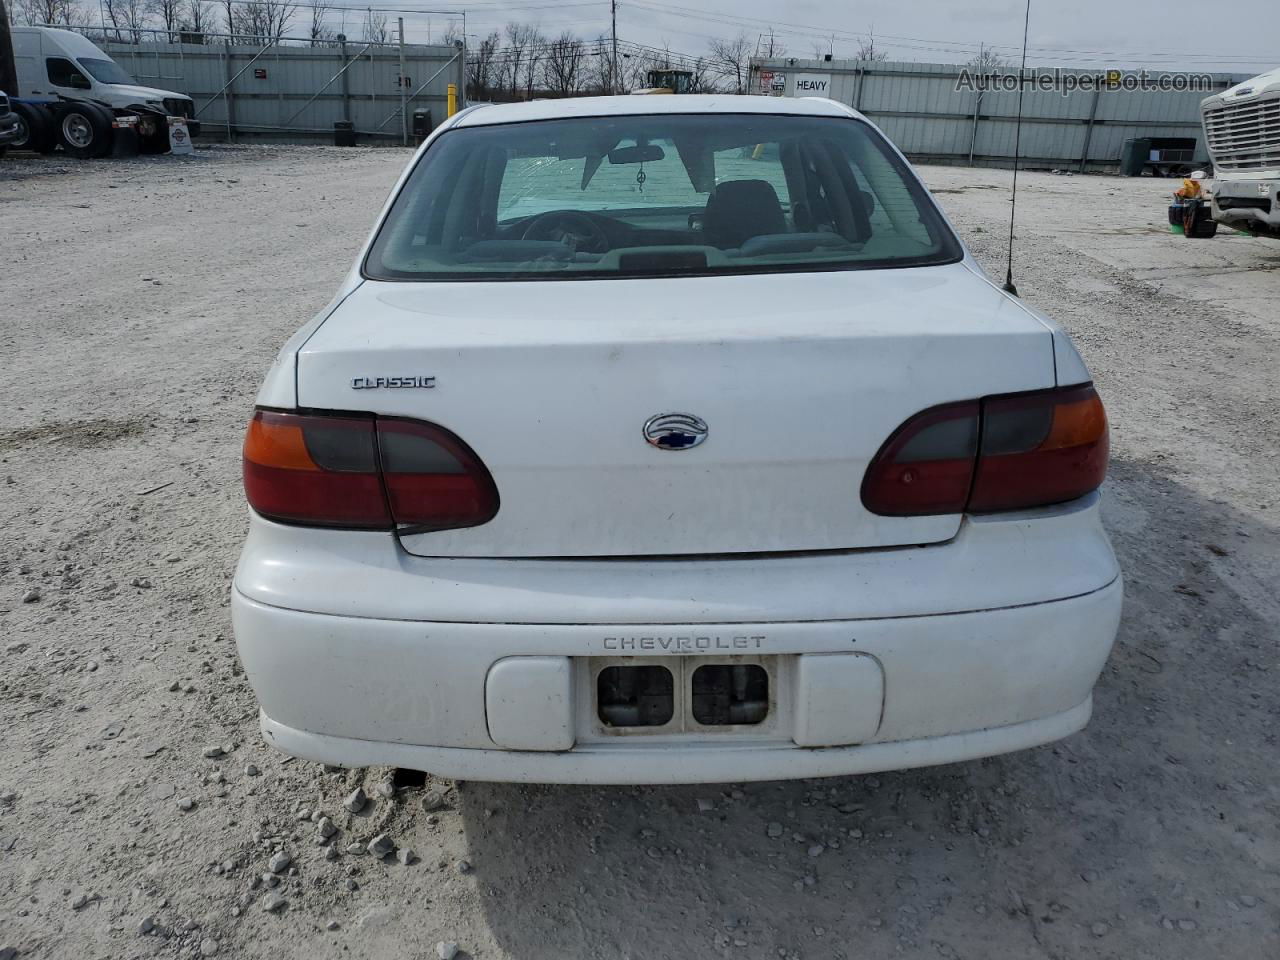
[395, 661]
[666, 763]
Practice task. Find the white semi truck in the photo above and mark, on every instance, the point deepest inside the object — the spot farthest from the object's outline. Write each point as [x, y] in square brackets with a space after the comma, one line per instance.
[1242, 131]
[71, 94]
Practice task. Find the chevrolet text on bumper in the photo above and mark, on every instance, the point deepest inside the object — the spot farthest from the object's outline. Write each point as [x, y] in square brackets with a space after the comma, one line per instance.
[736, 470]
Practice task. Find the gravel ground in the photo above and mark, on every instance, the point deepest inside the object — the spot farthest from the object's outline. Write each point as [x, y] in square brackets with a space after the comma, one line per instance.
[141, 815]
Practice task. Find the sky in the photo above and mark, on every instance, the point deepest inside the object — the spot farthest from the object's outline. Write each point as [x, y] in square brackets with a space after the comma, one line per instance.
[1168, 34]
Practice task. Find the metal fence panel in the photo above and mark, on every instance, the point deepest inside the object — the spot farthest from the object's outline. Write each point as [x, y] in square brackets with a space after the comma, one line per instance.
[920, 108]
[294, 90]
[287, 90]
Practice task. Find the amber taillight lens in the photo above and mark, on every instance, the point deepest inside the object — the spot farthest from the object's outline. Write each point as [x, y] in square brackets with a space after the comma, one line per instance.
[364, 473]
[1040, 448]
[1006, 452]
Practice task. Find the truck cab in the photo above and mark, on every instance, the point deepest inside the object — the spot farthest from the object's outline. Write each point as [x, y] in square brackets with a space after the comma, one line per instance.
[57, 65]
[667, 81]
[1242, 129]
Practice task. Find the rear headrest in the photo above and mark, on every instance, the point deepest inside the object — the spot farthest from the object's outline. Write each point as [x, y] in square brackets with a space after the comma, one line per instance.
[741, 209]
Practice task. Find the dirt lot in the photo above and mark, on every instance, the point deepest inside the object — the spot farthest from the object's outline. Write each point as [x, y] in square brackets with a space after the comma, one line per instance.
[141, 303]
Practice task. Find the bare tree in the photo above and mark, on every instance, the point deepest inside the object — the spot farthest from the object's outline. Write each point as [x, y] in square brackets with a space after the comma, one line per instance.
[601, 77]
[824, 48]
[562, 70]
[110, 12]
[533, 59]
[134, 16]
[731, 59]
[319, 31]
[632, 70]
[770, 46]
[597, 67]
[703, 80]
[64, 13]
[480, 67]
[986, 60]
[279, 16]
[867, 49]
[375, 27]
[197, 18]
[248, 22]
[520, 39]
[168, 13]
[452, 34]
[265, 19]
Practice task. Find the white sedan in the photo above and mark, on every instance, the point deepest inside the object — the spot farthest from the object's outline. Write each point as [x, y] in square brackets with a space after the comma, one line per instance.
[671, 439]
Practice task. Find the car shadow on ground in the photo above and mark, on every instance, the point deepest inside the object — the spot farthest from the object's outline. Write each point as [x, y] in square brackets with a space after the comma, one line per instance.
[1077, 848]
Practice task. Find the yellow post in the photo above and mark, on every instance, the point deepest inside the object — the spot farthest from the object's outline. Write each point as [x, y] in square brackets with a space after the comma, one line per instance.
[453, 99]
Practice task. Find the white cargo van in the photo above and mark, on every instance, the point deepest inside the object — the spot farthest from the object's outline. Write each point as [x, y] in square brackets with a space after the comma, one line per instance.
[56, 66]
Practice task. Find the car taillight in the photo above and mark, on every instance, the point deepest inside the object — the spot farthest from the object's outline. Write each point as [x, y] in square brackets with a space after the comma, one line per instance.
[1001, 453]
[364, 473]
[434, 481]
[1040, 448]
[314, 470]
[927, 465]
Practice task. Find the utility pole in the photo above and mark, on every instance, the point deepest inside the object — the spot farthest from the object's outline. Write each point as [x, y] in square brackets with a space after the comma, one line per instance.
[613, 73]
[404, 92]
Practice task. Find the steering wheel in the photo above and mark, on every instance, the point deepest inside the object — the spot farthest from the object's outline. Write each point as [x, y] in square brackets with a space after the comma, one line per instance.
[568, 226]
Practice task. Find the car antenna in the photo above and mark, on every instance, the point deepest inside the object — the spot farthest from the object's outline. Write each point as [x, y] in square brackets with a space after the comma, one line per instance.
[1017, 153]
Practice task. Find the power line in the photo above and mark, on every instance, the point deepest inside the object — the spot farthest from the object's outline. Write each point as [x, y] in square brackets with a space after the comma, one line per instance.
[404, 11]
[810, 31]
[496, 13]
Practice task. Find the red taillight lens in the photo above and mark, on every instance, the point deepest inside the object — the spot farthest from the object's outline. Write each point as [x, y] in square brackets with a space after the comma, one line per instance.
[927, 465]
[363, 473]
[434, 481]
[1002, 453]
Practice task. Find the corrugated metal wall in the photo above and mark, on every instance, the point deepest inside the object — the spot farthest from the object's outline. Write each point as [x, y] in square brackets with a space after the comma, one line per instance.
[295, 92]
[919, 108]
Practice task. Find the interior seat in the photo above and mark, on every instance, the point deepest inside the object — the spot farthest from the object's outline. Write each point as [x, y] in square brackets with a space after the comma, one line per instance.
[738, 210]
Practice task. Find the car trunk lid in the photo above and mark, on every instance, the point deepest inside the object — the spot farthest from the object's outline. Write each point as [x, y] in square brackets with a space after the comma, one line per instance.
[798, 378]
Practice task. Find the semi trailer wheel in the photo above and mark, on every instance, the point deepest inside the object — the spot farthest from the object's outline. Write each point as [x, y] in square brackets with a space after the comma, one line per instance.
[84, 130]
[33, 129]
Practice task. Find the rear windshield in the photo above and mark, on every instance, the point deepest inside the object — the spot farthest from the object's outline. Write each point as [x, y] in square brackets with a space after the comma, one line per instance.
[105, 71]
[657, 195]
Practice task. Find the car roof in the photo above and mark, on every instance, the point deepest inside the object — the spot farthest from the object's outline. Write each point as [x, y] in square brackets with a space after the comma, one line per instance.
[651, 104]
[72, 43]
